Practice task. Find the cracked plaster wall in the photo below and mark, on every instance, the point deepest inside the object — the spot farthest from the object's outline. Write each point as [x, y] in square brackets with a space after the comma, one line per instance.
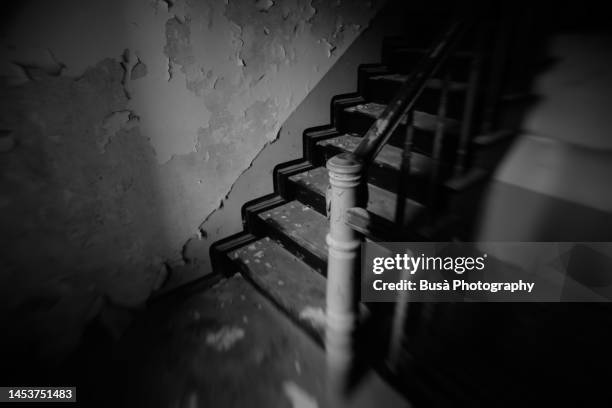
[123, 125]
[312, 111]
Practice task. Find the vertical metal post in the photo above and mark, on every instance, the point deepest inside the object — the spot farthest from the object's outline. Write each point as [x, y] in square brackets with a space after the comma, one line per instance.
[400, 203]
[398, 326]
[437, 144]
[470, 105]
[345, 177]
[496, 71]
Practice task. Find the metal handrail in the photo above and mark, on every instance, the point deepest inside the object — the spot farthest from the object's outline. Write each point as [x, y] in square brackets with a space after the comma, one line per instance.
[381, 130]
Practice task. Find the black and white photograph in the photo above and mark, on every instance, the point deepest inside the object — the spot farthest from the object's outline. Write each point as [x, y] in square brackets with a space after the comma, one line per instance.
[305, 203]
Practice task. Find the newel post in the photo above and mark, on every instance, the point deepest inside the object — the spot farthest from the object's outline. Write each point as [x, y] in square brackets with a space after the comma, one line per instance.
[345, 176]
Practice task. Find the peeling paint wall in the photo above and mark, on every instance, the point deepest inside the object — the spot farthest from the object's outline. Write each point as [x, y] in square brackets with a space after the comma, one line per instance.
[312, 111]
[123, 125]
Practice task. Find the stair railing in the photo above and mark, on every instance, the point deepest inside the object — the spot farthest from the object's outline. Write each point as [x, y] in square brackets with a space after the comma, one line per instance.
[348, 184]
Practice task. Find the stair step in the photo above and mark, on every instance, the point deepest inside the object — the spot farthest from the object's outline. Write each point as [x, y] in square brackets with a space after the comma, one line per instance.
[460, 54]
[384, 171]
[380, 202]
[358, 118]
[340, 103]
[389, 156]
[383, 88]
[422, 120]
[314, 135]
[434, 83]
[301, 229]
[365, 72]
[289, 282]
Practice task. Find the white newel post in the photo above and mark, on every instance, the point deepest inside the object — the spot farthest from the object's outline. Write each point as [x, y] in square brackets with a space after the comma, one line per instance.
[345, 174]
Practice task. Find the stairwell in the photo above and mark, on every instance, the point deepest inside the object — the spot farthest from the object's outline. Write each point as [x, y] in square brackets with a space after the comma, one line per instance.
[253, 333]
[280, 258]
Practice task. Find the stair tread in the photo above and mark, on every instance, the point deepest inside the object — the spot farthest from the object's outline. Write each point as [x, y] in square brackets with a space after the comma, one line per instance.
[380, 201]
[302, 224]
[389, 156]
[401, 48]
[296, 287]
[421, 120]
[433, 83]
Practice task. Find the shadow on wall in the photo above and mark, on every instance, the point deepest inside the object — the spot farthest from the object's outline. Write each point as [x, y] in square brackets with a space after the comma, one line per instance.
[122, 126]
[77, 214]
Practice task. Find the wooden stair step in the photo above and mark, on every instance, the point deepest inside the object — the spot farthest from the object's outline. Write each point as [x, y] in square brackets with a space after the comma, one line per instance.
[422, 120]
[389, 156]
[301, 229]
[383, 88]
[380, 201]
[399, 48]
[359, 117]
[287, 281]
[384, 171]
[434, 83]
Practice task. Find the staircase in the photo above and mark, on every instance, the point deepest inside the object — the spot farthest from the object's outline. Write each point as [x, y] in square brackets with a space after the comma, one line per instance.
[419, 188]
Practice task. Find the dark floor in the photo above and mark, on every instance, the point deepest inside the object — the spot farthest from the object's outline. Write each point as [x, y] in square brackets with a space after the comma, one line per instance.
[226, 346]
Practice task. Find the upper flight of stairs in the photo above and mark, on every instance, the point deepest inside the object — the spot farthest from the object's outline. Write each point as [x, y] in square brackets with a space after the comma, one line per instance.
[282, 251]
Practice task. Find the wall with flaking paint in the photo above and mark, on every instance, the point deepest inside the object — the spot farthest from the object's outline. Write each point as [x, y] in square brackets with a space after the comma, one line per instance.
[314, 110]
[123, 125]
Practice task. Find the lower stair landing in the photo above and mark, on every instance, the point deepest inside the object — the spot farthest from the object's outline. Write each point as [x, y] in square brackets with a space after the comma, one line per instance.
[229, 346]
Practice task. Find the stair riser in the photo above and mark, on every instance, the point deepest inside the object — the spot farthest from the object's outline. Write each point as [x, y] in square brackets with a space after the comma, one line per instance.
[307, 197]
[310, 142]
[251, 210]
[339, 104]
[220, 249]
[365, 72]
[282, 173]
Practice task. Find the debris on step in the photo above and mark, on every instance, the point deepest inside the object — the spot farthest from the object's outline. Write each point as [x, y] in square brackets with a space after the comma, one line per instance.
[225, 338]
[315, 315]
[298, 397]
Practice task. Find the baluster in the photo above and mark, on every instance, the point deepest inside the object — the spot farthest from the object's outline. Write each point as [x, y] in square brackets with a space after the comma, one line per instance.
[400, 203]
[343, 266]
[398, 326]
[470, 100]
[437, 144]
[496, 70]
